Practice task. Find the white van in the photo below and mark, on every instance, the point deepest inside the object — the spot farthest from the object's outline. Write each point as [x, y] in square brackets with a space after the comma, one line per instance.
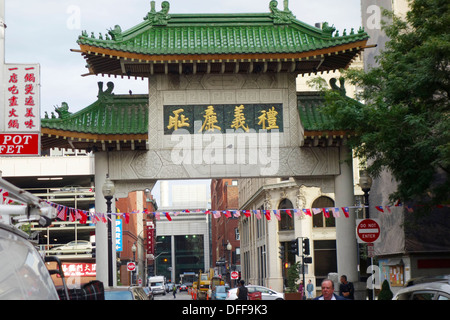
[157, 284]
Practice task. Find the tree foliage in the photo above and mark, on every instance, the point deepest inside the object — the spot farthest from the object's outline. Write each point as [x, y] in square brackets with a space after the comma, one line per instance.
[403, 124]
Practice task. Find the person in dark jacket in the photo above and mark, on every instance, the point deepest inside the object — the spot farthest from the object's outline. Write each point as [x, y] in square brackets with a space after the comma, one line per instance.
[242, 291]
[346, 289]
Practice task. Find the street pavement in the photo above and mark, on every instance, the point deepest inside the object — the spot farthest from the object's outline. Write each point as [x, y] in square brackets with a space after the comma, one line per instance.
[183, 295]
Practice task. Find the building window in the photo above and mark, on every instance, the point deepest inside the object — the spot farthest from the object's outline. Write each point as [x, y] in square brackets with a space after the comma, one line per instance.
[236, 234]
[325, 260]
[286, 222]
[319, 220]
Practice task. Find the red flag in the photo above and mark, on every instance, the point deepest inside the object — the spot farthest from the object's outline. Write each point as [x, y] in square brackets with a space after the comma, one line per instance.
[168, 216]
[346, 211]
[307, 212]
[379, 208]
[126, 217]
[247, 213]
[289, 212]
[83, 217]
[325, 212]
[267, 214]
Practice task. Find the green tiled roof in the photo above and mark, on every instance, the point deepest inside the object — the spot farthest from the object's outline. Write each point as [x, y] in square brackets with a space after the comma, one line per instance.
[309, 104]
[163, 33]
[109, 115]
[128, 114]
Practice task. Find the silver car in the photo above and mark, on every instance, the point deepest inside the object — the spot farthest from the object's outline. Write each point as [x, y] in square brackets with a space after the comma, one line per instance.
[23, 274]
[266, 293]
[74, 246]
[425, 291]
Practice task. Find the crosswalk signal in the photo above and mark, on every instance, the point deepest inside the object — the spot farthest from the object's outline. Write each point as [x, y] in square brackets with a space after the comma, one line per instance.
[282, 254]
[305, 246]
[294, 247]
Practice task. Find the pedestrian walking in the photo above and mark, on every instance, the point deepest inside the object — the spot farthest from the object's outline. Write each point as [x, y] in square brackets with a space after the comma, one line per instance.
[310, 289]
[174, 290]
[301, 289]
[242, 291]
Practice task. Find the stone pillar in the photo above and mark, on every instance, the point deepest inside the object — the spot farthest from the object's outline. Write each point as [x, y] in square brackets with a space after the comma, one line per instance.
[347, 253]
[101, 230]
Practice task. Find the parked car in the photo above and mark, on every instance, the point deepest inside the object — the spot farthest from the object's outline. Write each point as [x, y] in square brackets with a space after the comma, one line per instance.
[79, 245]
[220, 292]
[23, 275]
[266, 293]
[149, 293]
[125, 293]
[425, 291]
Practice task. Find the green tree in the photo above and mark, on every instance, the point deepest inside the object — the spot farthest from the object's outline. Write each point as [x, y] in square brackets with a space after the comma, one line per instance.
[403, 124]
[385, 293]
[293, 275]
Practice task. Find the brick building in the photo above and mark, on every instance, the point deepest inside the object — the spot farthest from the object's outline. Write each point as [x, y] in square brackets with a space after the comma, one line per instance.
[224, 196]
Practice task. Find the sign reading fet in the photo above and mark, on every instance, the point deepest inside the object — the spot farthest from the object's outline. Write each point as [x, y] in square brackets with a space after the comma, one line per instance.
[19, 144]
[367, 230]
[21, 110]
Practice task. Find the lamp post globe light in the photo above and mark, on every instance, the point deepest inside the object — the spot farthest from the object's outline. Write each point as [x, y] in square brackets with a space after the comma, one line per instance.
[108, 190]
[365, 182]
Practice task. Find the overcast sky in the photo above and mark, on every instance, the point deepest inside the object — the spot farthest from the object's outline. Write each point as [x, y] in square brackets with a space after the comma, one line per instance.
[44, 31]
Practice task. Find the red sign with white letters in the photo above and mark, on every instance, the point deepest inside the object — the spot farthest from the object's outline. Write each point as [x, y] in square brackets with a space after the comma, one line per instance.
[368, 230]
[21, 124]
[19, 144]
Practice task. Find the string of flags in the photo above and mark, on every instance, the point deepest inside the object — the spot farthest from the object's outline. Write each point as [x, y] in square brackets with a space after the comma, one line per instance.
[64, 212]
[72, 214]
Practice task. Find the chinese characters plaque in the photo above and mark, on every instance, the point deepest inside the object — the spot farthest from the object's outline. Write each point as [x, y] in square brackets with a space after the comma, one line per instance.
[223, 118]
[22, 124]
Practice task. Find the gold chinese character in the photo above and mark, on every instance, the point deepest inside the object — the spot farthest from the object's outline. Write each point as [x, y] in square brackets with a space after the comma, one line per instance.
[239, 118]
[270, 117]
[178, 120]
[210, 120]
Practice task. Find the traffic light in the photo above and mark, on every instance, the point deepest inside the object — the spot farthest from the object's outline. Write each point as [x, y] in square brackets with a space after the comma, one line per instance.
[306, 251]
[281, 256]
[93, 252]
[294, 247]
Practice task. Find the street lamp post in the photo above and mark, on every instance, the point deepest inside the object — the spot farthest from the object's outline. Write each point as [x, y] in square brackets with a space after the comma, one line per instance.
[133, 249]
[108, 190]
[229, 248]
[365, 182]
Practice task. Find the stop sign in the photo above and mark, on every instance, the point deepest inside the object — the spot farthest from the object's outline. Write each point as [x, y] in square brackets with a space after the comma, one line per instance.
[131, 266]
[367, 230]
